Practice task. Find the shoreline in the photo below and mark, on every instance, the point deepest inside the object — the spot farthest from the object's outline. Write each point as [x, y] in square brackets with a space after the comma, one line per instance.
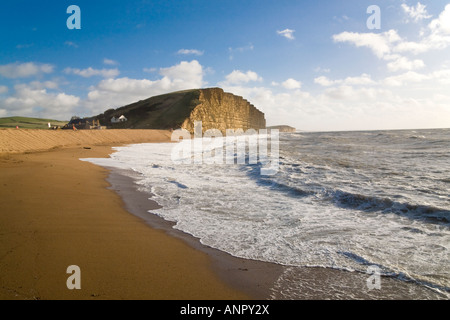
[254, 278]
[266, 280]
[51, 219]
[57, 211]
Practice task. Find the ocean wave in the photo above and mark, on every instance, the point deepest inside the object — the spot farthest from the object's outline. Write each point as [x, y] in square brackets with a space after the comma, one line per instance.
[426, 213]
[178, 184]
[386, 271]
[356, 201]
[314, 211]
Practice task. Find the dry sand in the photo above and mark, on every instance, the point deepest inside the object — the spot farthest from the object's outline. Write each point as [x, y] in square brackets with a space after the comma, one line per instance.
[57, 211]
[23, 140]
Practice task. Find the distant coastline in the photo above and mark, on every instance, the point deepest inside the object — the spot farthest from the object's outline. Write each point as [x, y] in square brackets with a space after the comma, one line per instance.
[282, 128]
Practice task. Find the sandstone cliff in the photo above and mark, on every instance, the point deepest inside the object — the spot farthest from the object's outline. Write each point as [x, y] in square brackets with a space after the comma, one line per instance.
[221, 110]
[214, 107]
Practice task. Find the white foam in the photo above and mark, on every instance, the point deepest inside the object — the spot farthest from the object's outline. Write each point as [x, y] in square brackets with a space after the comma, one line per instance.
[228, 210]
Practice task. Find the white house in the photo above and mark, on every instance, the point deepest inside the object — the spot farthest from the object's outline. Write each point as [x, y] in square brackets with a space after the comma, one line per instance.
[120, 119]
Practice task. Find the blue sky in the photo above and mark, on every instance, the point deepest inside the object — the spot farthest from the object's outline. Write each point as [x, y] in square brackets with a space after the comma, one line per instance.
[314, 65]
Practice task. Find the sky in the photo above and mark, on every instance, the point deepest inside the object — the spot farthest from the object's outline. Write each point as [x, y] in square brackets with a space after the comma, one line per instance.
[327, 65]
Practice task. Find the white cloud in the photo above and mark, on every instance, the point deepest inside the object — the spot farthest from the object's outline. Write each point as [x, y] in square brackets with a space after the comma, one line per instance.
[39, 85]
[379, 43]
[439, 37]
[248, 47]
[389, 46]
[405, 78]
[324, 81]
[413, 47]
[190, 51]
[184, 75]
[123, 85]
[110, 62]
[71, 44]
[24, 70]
[112, 93]
[296, 108]
[320, 69]
[231, 50]
[403, 63]
[291, 84]
[363, 79]
[350, 108]
[416, 13]
[408, 100]
[436, 36]
[33, 99]
[44, 99]
[340, 93]
[442, 24]
[354, 95]
[287, 33]
[435, 79]
[239, 77]
[90, 72]
[24, 46]
[442, 76]
[341, 19]
[149, 70]
[3, 89]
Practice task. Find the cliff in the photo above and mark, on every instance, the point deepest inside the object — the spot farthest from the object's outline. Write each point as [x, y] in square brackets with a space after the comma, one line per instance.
[221, 110]
[282, 128]
[214, 107]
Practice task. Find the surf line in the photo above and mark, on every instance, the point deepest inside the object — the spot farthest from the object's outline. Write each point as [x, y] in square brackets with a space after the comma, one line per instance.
[212, 148]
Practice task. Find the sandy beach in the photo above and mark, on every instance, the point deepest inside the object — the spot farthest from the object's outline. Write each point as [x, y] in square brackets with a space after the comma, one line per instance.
[22, 140]
[57, 211]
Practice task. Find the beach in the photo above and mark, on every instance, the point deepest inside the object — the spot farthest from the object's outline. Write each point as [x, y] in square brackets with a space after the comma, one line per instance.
[25, 141]
[58, 211]
[294, 153]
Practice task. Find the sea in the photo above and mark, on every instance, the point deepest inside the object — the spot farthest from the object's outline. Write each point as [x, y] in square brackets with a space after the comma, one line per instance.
[374, 203]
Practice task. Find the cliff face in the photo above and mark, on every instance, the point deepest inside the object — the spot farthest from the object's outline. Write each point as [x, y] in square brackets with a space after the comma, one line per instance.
[282, 128]
[214, 107]
[221, 110]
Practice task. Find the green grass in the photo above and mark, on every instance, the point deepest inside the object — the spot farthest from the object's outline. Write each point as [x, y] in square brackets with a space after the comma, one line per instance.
[29, 123]
[159, 112]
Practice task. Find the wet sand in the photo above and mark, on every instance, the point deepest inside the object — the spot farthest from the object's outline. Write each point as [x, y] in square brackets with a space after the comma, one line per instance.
[254, 278]
[57, 211]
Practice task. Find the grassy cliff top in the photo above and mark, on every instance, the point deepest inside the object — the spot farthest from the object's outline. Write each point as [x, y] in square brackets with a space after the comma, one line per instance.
[29, 123]
[159, 112]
